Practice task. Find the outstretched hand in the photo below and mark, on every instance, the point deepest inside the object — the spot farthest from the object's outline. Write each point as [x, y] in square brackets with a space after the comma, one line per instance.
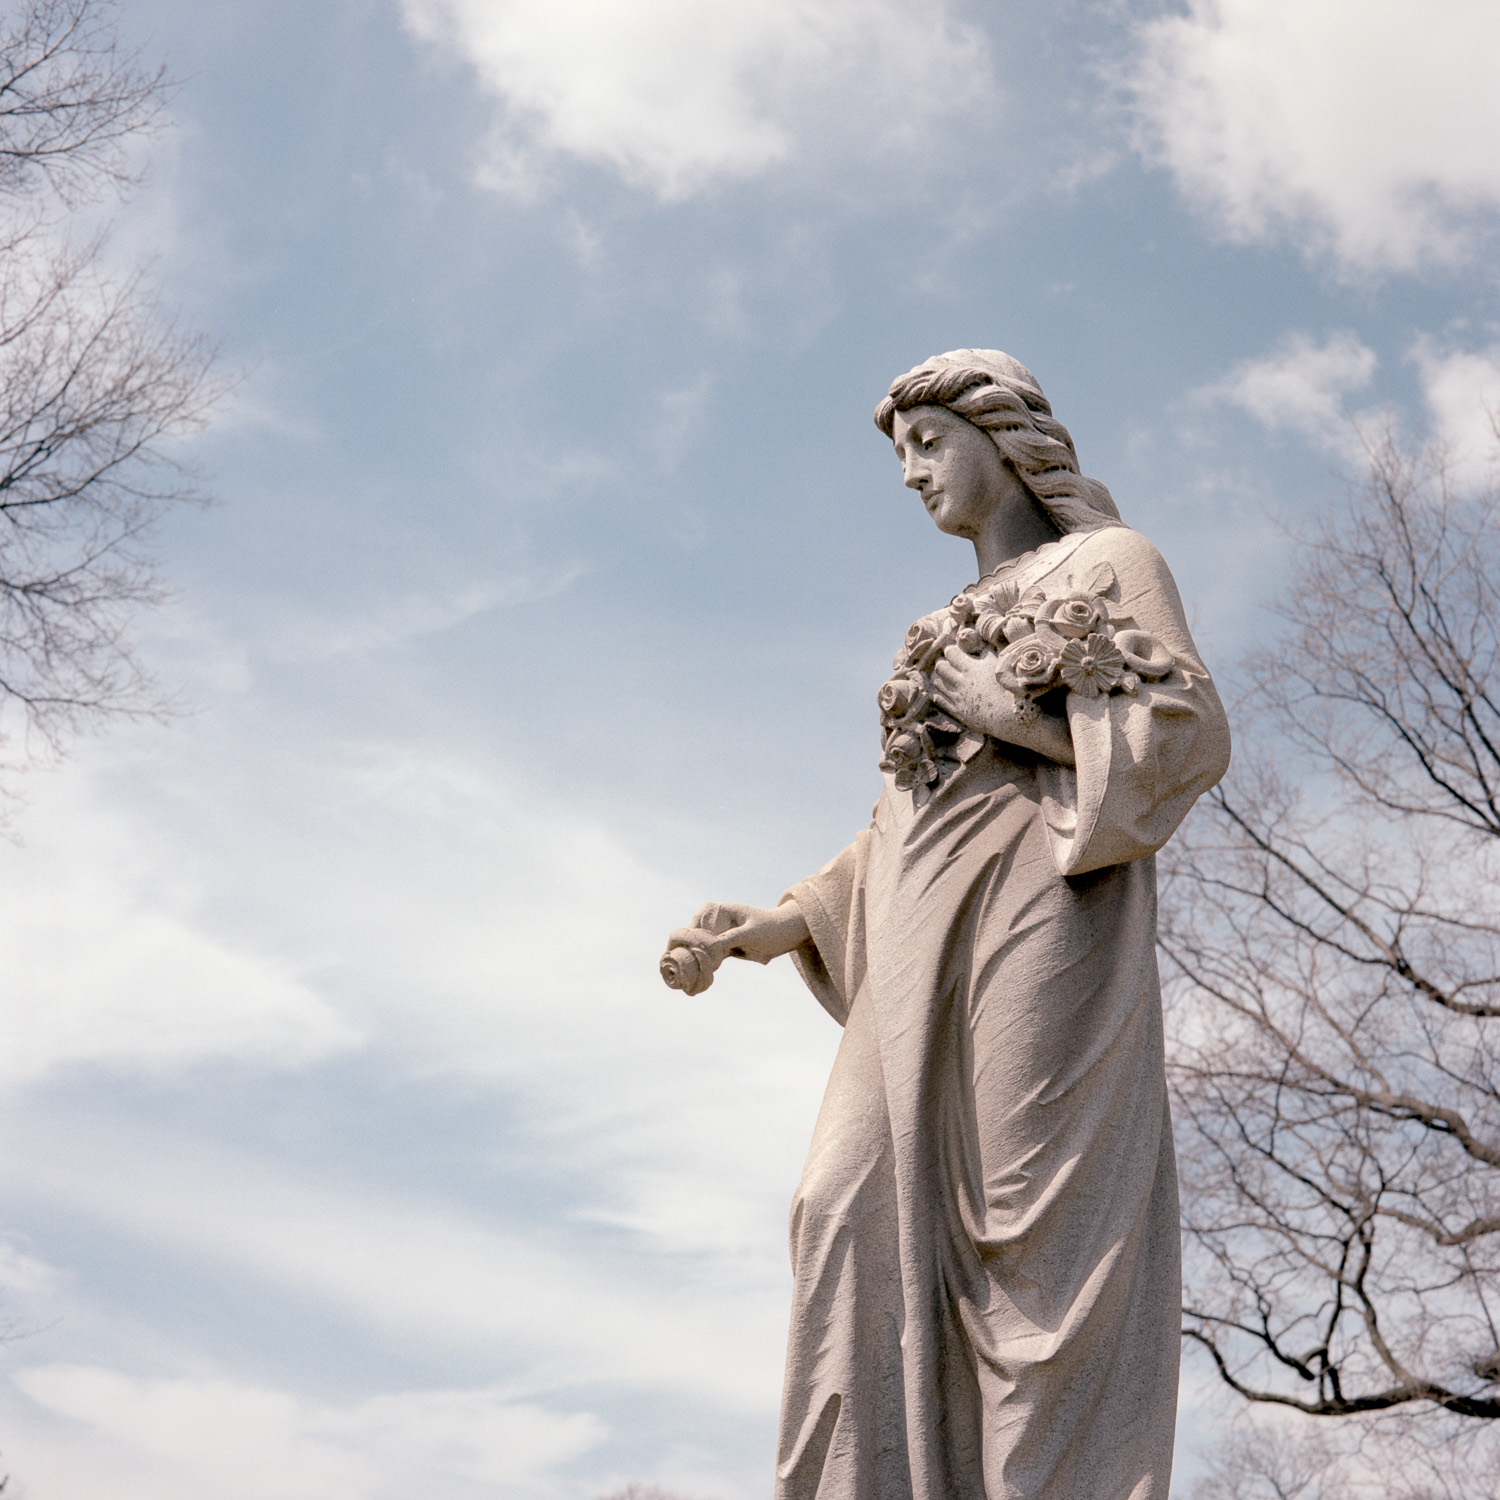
[739, 931]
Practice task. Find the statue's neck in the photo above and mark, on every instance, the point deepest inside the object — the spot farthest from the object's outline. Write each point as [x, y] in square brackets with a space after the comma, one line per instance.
[1010, 533]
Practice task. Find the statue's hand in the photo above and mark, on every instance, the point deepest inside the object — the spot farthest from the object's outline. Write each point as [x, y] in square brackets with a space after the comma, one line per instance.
[965, 686]
[753, 932]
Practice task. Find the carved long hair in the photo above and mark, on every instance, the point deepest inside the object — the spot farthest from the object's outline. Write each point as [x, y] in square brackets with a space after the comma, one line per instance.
[1001, 396]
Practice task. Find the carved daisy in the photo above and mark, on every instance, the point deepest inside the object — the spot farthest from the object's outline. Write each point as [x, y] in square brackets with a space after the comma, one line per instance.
[1091, 666]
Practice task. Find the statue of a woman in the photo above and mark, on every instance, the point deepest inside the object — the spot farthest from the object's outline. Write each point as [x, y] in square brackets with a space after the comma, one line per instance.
[984, 1241]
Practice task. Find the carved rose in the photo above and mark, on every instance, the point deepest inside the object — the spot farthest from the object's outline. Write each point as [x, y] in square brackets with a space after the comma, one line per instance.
[902, 748]
[688, 969]
[925, 641]
[1144, 655]
[1074, 616]
[903, 697]
[1041, 642]
[1091, 666]
[1026, 668]
[902, 751]
[919, 632]
[909, 756]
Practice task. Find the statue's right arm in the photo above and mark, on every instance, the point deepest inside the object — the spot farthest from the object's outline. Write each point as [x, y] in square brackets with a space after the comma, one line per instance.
[753, 932]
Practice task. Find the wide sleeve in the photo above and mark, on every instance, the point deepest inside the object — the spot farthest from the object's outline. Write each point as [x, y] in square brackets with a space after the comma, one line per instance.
[832, 903]
[1142, 759]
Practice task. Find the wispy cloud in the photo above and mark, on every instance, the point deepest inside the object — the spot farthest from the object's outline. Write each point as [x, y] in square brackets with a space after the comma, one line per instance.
[1304, 386]
[1462, 392]
[558, 1313]
[678, 95]
[1362, 132]
[1311, 387]
[134, 1438]
[108, 966]
[296, 633]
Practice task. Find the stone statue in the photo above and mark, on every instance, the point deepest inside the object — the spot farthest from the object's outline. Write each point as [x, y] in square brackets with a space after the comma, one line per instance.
[984, 1240]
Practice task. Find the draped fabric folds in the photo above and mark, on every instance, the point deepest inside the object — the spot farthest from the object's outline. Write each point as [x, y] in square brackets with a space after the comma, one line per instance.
[984, 1240]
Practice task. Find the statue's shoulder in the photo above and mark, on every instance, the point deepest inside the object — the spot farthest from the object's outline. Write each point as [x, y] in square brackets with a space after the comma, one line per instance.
[1097, 561]
[1117, 544]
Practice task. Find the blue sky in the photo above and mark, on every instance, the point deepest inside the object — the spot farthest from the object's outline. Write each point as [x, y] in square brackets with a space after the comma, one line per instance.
[353, 1148]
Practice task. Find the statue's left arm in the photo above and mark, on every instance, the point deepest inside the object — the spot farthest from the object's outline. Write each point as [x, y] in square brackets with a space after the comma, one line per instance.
[1141, 758]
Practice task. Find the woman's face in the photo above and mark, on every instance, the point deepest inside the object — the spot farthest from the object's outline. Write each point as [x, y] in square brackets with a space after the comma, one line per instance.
[956, 469]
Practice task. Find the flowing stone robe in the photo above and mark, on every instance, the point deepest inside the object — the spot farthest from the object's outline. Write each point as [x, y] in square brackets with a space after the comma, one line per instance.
[985, 1238]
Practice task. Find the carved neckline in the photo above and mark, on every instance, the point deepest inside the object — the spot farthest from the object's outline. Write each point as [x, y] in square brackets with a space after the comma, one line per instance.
[1015, 564]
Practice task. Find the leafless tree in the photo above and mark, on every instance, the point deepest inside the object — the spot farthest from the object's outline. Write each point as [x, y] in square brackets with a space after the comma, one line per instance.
[72, 102]
[1331, 937]
[93, 378]
[1260, 1463]
[1401, 1454]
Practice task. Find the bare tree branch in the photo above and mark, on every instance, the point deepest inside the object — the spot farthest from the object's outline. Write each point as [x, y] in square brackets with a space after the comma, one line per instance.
[1332, 954]
[95, 379]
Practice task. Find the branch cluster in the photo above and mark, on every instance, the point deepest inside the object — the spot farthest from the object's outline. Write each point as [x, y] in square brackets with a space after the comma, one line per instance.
[1332, 956]
[93, 378]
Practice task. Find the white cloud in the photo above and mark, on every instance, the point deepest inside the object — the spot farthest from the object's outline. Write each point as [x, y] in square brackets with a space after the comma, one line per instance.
[1309, 388]
[436, 1278]
[1462, 391]
[302, 633]
[1365, 128]
[474, 930]
[489, 939]
[393, 897]
[1303, 387]
[131, 1438]
[677, 94]
[24, 1276]
[105, 963]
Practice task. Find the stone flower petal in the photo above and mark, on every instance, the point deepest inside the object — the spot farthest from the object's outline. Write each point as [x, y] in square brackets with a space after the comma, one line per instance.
[1026, 668]
[903, 697]
[902, 752]
[1074, 616]
[1004, 597]
[964, 608]
[1144, 655]
[1092, 666]
[990, 627]
[687, 969]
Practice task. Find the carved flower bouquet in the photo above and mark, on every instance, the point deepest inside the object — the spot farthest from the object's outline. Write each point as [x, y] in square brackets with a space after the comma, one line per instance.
[1043, 644]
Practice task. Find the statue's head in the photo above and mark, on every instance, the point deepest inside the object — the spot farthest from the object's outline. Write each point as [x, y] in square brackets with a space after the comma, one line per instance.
[1001, 397]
